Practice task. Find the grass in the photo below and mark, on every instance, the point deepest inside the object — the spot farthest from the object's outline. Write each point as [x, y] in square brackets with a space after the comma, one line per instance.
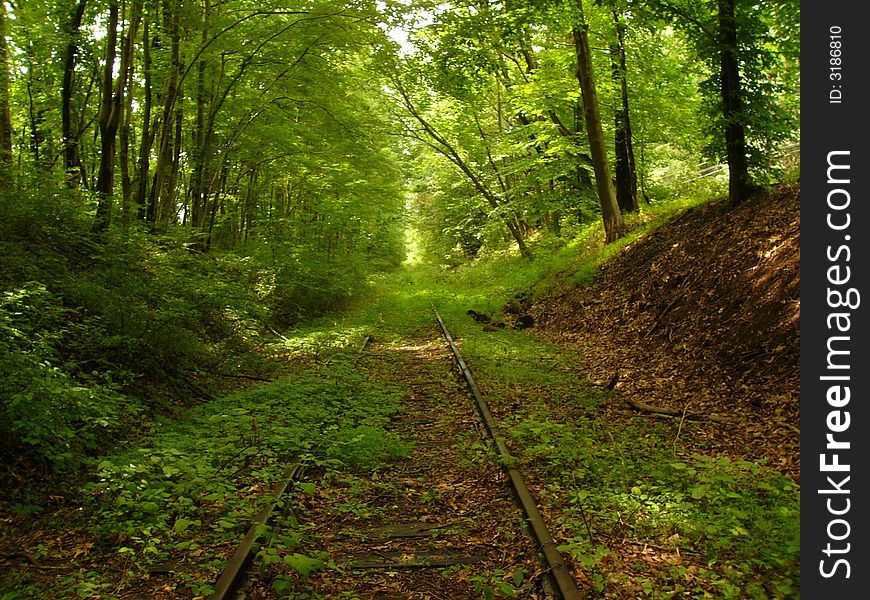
[640, 518]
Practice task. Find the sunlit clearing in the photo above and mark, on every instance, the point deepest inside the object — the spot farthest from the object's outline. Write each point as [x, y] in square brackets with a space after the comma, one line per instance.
[317, 341]
[412, 243]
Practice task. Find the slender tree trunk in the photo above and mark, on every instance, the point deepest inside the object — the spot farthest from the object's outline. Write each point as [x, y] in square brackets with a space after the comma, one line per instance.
[124, 161]
[614, 227]
[71, 160]
[179, 139]
[5, 109]
[199, 193]
[250, 206]
[163, 184]
[143, 165]
[108, 124]
[626, 173]
[215, 203]
[127, 54]
[112, 109]
[740, 183]
[37, 120]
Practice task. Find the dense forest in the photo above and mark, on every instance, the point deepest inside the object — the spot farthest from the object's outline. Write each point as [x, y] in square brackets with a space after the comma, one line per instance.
[188, 188]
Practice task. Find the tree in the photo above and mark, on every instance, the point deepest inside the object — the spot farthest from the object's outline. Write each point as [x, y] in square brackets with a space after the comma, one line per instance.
[5, 108]
[614, 227]
[109, 118]
[71, 160]
[426, 132]
[737, 40]
[112, 108]
[176, 109]
[625, 170]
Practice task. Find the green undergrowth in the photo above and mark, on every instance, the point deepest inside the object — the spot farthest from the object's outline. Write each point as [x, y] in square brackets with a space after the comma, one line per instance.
[195, 484]
[559, 264]
[185, 485]
[102, 332]
[398, 304]
[712, 527]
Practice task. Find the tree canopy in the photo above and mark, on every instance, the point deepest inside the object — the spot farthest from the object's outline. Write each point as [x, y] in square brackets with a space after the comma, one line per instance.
[252, 122]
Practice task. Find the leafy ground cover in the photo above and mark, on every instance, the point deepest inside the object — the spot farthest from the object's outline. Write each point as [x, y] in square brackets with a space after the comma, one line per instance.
[640, 510]
[447, 501]
[159, 518]
[99, 333]
[702, 315]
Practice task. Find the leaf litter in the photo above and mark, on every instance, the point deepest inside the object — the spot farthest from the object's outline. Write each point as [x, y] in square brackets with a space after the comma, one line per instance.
[703, 316]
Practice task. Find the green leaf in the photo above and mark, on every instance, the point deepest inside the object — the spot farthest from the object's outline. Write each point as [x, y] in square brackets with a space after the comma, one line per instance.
[181, 525]
[699, 492]
[304, 565]
[283, 585]
[505, 589]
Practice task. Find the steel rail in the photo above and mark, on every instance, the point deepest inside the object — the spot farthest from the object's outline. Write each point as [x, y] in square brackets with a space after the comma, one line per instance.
[559, 572]
[230, 578]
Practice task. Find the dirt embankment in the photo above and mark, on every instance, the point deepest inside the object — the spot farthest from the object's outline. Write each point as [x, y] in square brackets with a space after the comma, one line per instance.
[701, 316]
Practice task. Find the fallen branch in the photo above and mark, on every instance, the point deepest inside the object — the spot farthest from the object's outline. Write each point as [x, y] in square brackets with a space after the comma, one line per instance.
[280, 335]
[670, 412]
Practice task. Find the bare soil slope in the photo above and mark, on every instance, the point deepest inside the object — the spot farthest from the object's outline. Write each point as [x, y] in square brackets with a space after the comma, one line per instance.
[701, 316]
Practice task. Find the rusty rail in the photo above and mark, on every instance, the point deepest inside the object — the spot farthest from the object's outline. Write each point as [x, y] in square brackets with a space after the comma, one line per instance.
[232, 575]
[564, 582]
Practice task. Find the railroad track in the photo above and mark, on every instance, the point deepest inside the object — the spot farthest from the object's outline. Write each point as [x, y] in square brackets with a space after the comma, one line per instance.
[448, 522]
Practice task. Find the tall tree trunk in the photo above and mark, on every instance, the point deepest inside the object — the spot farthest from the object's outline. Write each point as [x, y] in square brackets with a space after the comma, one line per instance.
[163, 183]
[169, 194]
[626, 173]
[71, 160]
[614, 227]
[108, 124]
[199, 192]
[216, 201]
[112, 109]
[37, 119]
[5, 109]
[127, 116]
[250, 205]
[143, 165]
[739, 183]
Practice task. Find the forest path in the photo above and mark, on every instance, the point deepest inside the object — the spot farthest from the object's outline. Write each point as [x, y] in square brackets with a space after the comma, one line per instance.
[440, 524]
